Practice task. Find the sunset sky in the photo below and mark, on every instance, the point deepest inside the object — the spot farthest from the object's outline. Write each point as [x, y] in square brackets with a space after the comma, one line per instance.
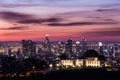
[97, 20]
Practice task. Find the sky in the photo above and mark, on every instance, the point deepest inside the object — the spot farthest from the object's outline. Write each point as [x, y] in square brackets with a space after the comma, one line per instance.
[97, 20]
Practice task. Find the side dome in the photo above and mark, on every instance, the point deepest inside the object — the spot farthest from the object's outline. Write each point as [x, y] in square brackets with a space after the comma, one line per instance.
[91, 53]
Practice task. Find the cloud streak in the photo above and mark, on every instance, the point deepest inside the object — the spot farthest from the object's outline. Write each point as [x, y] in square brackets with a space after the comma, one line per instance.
[81, 23]
[111, 32]
[38, 21]
[15, 28]
[107, 10]
[14, 16]
[25, 18]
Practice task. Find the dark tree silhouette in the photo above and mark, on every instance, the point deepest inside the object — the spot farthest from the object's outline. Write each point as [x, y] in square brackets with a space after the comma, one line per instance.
[63, 56]
[41, 65]
[8, 65]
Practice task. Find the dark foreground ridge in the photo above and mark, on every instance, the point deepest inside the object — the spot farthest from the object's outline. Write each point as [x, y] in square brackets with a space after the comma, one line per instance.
[83, 74]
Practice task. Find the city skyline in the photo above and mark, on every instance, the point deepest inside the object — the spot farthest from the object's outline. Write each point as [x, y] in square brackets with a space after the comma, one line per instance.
[62, 19]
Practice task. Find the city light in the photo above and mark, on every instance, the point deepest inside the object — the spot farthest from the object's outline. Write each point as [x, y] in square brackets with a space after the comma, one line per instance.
[100, 44]
[51, 65]
[47, 35]
[77, 42]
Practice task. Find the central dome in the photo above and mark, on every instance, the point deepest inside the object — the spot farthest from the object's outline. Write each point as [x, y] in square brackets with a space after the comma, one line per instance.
[90, 53]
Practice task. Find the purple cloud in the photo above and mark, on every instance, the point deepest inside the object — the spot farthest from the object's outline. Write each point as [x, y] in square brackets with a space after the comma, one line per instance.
[15, 28]
[25, 18]
[81, 23]
[104, 10]
[115, 31]
[38, 21]
[14, 16]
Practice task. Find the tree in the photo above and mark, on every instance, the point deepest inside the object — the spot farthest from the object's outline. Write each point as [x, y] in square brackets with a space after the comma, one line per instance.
[8, 65]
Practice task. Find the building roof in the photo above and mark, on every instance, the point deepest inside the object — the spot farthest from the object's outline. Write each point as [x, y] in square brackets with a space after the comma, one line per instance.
[93, 53]
[90, 53]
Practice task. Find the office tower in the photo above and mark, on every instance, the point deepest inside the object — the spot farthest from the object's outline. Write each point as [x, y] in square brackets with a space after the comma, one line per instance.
[100, 44]
[28, 47]
[39, 50]
[114, 50]
[68, 46]
[9, 52]
[84, 45]
[47, 41]
[77, 48]
[61, 47]
[46, 44]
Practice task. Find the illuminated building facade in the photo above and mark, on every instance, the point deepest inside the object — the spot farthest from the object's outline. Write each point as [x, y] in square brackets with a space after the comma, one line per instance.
[90, 59]
[92, 62]
[93, 59]
[67, 63]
